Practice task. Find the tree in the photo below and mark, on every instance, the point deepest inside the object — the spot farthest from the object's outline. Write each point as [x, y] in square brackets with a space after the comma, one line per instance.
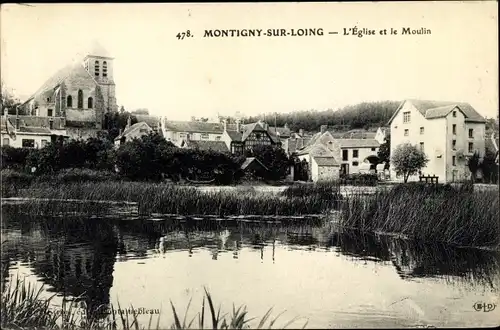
[384, 152]
[408, 160]
[474, 165]
[9, 102]
[275, 159]
[489, 167]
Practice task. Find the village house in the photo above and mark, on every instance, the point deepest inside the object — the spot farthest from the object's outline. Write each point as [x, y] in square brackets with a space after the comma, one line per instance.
[76, 97]
[221, 136]
[448, 133]
[131, 132]
[30, 132]
[329, 156]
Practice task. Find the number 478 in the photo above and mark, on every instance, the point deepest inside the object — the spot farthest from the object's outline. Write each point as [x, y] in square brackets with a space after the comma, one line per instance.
[182, 35]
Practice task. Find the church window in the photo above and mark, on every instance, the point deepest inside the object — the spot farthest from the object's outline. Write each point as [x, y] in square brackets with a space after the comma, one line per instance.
[80, 99]
[96, 68]
[104, 69]
[90, 103]
[69, 101]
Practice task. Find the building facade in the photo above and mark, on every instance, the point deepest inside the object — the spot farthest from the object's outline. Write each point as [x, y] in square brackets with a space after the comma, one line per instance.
[447, 132]
[77, 96]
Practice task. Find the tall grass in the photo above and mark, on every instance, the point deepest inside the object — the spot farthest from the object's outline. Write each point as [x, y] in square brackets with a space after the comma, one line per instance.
[455, 215]
[23, 307]
[168, 199]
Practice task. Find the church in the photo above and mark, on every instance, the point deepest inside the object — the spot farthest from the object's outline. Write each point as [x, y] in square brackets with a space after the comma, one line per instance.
[74, 100]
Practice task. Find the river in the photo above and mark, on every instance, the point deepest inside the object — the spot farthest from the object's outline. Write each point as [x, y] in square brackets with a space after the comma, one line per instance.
[308, 270]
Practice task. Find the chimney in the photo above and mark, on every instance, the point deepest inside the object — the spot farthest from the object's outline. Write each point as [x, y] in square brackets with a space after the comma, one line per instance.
[237, 125]
[323, 128]
[129, 122]
[225, 124]
[301, 132]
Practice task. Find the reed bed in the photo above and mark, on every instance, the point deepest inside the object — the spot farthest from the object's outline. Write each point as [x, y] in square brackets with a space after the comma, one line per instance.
[453, 215]
[167, 199]
[23, 307]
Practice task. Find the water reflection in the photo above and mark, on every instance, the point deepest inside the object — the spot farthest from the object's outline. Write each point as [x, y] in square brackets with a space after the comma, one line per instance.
[76, 257]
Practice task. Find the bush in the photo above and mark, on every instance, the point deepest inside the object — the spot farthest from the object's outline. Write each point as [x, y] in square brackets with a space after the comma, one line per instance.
[359, 179]
[14, 158]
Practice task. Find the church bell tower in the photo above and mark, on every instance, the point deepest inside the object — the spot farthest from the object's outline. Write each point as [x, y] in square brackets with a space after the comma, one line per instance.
[99, 64]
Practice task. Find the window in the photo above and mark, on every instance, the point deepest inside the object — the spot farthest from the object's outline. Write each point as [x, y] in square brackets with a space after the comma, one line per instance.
[406, 117]
[104, 69]
[454, 113]
[44, 143]
[69, 101]
[90, 103]
[182, 135]
[407, 132]
[454, 160]
[143, 130]
[80, 99]
[471, 147]
[355, 163]
[374, 149]
[205, 136]
[421, 130]
[49, 112]
[96, 68]
[217, 138]
[345, 155]
[454, 129]
[28, 143]
[355, 154]
[48, 99]
[471, 133]
[5, 141]
[421, 146]
[454, 144]
[51, 124]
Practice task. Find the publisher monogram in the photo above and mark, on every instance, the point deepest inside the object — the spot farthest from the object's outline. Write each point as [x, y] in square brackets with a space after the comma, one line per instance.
[484, 307]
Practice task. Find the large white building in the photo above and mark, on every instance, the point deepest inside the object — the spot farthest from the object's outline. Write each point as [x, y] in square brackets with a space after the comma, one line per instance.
[448, 133]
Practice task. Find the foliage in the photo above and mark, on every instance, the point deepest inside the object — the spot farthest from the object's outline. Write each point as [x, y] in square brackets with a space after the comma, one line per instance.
[489, 168]
[23, 307]
[300, 168]
[474, 164]
[361, 115]
[359, 179]
[161, 198]
[116, 121]
[444, 213]
[14, 158]
[408, 160]
[9, 102]
[384, 152]
[275, 159]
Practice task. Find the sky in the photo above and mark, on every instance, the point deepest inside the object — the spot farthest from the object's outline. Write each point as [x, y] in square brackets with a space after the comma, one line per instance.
[197, 76]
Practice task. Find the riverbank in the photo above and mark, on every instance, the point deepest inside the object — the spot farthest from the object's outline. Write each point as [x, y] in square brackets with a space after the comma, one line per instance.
[23, 307]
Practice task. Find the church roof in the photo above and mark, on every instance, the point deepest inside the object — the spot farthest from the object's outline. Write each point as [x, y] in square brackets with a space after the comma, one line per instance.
[96, 49]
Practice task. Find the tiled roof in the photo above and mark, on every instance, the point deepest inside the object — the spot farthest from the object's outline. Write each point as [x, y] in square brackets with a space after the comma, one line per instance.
[358, 143]
[80, 115]
[251, 160]
[283, 131]
[326, 161]
[57, 78]
[234, 135]
[316, 150]
[218, 146]
[194, 127]
[424, 105]
[35, 130]
[134, 129]
[152, 121]
[440, 112]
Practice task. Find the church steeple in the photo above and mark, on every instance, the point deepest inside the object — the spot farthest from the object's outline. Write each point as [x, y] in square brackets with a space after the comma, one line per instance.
[99, 63]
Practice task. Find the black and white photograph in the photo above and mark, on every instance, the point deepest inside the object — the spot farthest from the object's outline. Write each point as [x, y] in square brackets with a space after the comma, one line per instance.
[327, 165]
